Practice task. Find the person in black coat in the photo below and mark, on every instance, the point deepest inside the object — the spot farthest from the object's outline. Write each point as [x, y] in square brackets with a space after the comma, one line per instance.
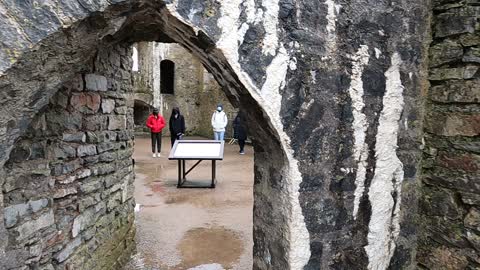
[176, 125]
[240, 130]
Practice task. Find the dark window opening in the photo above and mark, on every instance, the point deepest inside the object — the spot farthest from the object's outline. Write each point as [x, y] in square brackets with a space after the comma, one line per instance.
[167, 75]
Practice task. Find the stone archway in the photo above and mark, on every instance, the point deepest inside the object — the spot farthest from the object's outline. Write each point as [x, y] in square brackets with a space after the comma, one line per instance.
[335, 87]
[81, 114]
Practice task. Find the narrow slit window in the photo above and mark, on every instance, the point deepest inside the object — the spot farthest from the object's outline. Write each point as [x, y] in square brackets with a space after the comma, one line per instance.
[167, 76]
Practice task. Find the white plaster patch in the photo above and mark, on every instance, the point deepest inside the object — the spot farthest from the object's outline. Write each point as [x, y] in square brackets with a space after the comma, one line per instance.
[229, 24]
[359, 125]
[384, 224]
[135, 59]
[332, 11]
[269, 99]
[378, 53]
[270, 23]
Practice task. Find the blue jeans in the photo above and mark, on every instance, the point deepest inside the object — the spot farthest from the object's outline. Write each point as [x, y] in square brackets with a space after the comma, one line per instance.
[218, 135]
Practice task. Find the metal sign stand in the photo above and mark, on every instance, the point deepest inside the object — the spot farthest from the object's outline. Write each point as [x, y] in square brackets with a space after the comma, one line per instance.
[182, 174]
[182, 166]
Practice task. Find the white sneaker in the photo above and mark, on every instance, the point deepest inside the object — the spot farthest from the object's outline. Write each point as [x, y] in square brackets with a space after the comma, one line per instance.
[154, 155]
[158, 155]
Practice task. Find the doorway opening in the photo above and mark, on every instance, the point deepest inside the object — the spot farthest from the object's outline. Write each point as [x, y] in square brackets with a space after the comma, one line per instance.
[188, 228]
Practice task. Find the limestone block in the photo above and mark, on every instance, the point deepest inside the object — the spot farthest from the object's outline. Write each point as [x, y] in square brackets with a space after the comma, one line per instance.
[78, 137]
[79, 174]
[456, 91]
[13, 213]
[460, 73]
[117, 122]
[30, 227]
[472, 55]
[114, 201]
[108, 105]
[121, 110]
[94, 82]
[86, 202]
[86, 150]
[68, 250]
[454, 124]
[108, 157]
[444, 52]
[472, 220]
[95, 122]
[38, 205]
[453, 23]
[468, 40]
[82, 222]
[86, 102]
[77, 83]
[93, 185]
[470, 198]
[102, 169]
[62, 192]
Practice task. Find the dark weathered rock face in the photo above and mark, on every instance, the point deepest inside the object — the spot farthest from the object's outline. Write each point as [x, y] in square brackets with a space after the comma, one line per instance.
[334, 88]
[449, 204]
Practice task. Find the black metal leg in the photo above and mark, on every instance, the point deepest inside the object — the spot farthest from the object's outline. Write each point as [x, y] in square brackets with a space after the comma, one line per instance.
[179, 173]
[183, 170]
[213, 173]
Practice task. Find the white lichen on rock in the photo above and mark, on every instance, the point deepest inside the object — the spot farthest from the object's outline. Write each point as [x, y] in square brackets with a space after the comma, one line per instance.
[359, 125]
[384, 224]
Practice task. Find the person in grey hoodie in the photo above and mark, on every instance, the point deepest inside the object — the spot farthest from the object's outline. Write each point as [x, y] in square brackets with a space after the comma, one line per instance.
[219, 122]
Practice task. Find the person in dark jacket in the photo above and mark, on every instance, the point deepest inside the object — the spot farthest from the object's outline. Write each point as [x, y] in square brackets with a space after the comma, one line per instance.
[156, 123]
[240, 131]
[176, 125]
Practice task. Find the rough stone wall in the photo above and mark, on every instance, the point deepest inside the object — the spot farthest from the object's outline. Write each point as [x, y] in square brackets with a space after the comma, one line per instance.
[450, 204]
[196, 92]
[334, 88]
[68, 191]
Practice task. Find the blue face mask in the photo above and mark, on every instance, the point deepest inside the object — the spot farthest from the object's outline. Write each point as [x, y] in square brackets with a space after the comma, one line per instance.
[219, 109]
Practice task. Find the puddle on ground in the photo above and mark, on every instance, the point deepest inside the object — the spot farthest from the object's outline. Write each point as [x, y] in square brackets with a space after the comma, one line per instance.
[216, 245]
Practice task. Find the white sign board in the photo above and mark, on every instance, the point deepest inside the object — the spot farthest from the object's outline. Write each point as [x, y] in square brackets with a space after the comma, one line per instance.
[197, 149]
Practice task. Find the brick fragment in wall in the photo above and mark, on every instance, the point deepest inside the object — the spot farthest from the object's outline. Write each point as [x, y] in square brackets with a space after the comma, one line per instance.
[94, 82]
[86, 102]
[453, 124]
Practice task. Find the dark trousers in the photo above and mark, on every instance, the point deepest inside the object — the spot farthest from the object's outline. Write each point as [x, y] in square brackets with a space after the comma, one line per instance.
[156, 140]
[241, 143]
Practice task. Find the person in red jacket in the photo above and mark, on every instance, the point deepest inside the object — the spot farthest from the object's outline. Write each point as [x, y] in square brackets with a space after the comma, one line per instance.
[156, 123]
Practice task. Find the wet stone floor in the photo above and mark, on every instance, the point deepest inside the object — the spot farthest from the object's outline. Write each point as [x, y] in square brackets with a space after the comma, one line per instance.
[200, 229]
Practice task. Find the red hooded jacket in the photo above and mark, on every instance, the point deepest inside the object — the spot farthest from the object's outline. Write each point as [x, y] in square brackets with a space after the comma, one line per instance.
[156, 124]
